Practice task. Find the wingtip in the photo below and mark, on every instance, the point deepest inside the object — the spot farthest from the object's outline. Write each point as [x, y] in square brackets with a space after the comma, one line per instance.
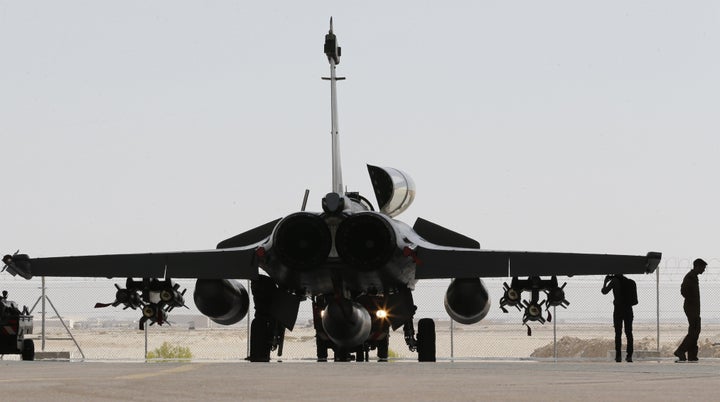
[653, 260]
[18, 264]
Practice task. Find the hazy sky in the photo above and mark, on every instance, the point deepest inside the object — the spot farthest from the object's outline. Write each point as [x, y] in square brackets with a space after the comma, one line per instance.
[134, 126]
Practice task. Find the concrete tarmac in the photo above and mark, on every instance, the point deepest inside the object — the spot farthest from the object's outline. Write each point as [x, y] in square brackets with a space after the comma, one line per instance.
[396, 381]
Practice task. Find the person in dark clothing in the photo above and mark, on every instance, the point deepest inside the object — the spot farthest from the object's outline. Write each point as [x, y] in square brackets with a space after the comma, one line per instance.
[690, 290]
[625, 294]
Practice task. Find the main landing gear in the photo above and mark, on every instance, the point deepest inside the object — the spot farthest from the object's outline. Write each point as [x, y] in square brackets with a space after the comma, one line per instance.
[387, 312]
[275, 310]
[378, 338]
[426, 340]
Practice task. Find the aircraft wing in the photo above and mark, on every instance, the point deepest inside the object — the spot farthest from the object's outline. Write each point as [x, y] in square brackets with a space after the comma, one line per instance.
[435, 262]
[234, 259]
[230, 263]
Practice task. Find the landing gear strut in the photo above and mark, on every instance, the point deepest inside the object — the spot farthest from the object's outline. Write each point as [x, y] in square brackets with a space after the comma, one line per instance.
[266, 332]
[260, 345]
[426, 340]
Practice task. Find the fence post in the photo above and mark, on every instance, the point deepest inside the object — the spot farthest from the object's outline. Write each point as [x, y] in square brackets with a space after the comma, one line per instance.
[452, 340]
[146, 343]
[42, 292]
[657, 306]
[555, 334]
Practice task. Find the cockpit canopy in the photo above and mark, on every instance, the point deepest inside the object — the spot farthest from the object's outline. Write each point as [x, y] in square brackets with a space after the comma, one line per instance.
[394, 190]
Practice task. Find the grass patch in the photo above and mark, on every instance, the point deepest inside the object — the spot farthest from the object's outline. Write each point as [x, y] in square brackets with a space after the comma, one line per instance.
[169, 352]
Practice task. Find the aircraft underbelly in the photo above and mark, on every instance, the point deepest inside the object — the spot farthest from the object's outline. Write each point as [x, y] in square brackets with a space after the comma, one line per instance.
[327, 278]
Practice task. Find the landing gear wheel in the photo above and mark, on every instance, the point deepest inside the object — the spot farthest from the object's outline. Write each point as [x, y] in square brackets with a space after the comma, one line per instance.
[28, 352]
[341, 355]
[361, 354]
[426, 340]
[322, 349]
[259, 340]
[382, 349]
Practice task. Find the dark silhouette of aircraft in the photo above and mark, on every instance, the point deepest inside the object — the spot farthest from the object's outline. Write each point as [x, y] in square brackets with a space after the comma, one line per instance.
[356, 264]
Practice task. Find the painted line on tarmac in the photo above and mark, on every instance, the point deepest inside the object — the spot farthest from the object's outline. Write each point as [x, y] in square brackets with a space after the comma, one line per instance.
[174, 370]
[40, 379]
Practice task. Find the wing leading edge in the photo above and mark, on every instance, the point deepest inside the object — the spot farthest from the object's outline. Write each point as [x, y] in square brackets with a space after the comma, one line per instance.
[436, 262]
[235, 263]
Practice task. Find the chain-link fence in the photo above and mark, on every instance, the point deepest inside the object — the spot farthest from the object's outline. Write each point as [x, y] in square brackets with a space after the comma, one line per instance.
[583, 330]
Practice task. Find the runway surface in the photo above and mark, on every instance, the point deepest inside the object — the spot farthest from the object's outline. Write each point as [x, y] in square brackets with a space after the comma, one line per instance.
[487, 381]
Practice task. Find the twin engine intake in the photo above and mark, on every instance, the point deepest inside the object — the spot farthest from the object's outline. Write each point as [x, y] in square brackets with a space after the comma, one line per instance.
[302, 240]
[364, 240]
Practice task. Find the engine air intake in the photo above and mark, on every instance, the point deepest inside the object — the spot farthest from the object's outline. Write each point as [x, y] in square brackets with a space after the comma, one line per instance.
[302, 241]
[365, 240]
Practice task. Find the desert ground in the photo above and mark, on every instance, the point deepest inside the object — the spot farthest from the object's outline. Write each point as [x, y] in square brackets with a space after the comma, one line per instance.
[487, 341]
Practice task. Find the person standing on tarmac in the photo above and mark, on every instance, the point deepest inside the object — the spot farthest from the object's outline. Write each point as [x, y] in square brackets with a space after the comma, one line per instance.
[625, 297]
[690, 290]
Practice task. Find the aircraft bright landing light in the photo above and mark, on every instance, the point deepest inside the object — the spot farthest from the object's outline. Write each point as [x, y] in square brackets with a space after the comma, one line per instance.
[381, 314]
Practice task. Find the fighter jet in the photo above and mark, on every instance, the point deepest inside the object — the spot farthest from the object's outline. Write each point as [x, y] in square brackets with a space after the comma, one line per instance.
[352, 260]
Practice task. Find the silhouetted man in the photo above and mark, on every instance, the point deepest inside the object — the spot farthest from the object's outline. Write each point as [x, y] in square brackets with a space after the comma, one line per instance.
[2, 303]
[690, 289]
[625, 294]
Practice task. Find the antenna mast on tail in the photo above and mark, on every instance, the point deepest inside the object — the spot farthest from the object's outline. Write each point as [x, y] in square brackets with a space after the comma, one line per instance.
[332, 51]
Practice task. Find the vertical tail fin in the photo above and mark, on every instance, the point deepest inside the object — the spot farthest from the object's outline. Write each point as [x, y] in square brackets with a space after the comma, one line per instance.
[332, 51]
